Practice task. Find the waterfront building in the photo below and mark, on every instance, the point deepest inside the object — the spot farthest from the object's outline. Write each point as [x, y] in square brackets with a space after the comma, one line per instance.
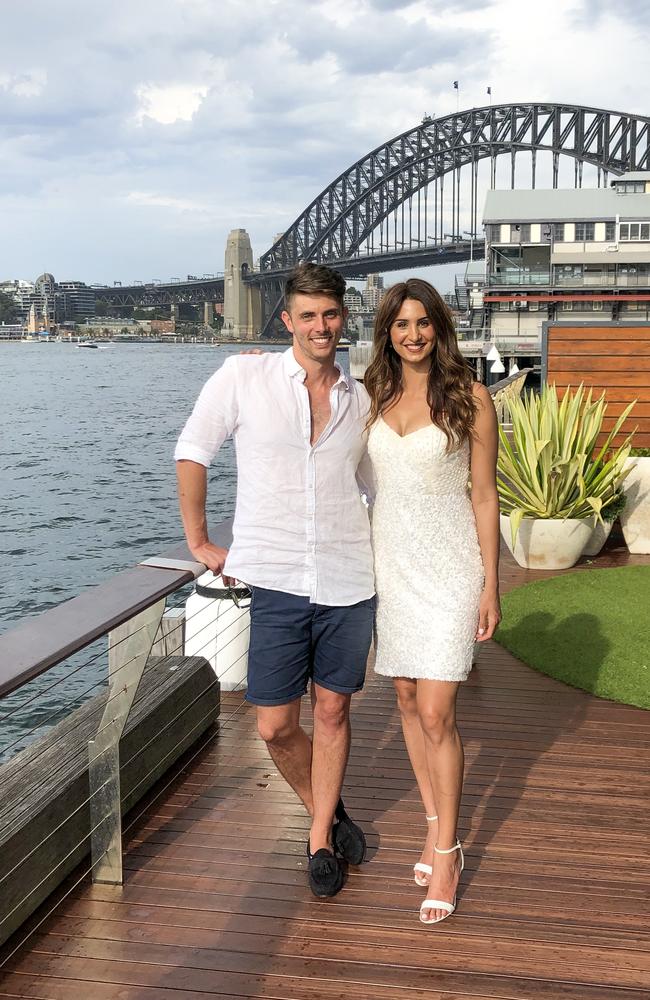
[563, 254]
[36, 320]
[77, 300]
[11, 331]
[53, 302]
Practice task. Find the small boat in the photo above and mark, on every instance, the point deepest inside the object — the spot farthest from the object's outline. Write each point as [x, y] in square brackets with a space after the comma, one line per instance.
[88, 343]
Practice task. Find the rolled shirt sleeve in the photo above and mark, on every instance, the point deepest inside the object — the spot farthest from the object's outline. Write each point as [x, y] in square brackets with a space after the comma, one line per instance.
[213, 418]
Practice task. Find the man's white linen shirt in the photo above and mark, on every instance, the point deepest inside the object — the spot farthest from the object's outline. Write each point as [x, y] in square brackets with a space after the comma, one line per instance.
[300, 524]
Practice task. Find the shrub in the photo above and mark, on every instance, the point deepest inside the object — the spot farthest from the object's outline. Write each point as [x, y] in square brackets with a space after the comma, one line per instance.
[552, 469]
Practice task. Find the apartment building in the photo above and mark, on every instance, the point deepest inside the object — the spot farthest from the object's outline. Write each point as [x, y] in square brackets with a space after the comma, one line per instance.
[562, 254]
[53, 302]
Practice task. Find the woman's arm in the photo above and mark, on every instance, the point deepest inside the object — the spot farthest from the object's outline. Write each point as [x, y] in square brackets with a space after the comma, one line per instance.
[484, 446]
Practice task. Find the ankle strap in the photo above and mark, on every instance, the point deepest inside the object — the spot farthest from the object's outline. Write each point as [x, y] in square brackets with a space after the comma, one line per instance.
[430, 819]
[451, 850]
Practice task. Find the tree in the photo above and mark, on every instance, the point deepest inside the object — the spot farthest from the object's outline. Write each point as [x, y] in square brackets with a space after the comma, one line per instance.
[8, 308]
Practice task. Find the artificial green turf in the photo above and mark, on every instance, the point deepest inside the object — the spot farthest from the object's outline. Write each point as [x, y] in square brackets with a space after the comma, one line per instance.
[590, 629]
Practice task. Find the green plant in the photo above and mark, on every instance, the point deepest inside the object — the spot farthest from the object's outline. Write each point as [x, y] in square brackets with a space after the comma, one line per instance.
[610, 510]
[551, 469]
[639, 452]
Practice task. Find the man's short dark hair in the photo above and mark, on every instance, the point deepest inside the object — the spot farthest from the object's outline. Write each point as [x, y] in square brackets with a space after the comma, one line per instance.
[314, 279]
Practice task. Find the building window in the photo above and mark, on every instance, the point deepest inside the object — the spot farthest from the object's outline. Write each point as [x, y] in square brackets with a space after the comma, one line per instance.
[631, 187]
[585, 232]
[610, 231]
[633, 231]
[558, 231]
[524, 232]
[493, 233]
[568, 274]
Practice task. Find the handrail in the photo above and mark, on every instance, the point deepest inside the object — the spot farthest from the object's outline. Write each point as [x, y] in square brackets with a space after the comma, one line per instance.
[509, 380]
[42, 641]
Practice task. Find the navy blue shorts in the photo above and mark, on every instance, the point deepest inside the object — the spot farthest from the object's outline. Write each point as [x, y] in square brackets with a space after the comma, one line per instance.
[293, 641]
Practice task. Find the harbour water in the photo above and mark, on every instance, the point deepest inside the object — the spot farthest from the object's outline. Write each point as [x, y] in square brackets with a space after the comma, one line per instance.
[88, 485]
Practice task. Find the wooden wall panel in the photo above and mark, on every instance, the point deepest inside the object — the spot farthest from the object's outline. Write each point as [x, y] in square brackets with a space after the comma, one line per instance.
[612, 358]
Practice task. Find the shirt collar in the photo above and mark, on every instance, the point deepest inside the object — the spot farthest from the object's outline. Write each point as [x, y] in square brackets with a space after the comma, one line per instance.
[293, 368]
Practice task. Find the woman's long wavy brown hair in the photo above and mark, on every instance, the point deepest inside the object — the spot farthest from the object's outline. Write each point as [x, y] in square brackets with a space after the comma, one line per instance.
[449, 387]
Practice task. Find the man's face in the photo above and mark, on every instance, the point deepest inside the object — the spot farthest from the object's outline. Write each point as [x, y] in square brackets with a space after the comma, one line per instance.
[316, 322]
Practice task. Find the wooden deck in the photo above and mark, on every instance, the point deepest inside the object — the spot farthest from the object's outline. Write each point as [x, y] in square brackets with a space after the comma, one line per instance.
[553, 901]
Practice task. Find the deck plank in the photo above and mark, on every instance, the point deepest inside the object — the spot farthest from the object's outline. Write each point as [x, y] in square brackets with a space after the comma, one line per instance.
[215, 902]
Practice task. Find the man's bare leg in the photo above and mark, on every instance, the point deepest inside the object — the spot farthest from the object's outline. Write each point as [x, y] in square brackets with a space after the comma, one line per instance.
[289, 746]
[315, 770]
[330, 751]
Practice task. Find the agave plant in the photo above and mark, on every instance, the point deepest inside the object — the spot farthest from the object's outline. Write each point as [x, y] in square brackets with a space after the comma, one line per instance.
[552, 469]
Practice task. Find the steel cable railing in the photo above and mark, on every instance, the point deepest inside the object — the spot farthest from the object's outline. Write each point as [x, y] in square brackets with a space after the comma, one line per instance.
[197, 751]
[94, 659]
[211, 642]
[82, 752]
[82, 755]
[142, 780]
[99, 684]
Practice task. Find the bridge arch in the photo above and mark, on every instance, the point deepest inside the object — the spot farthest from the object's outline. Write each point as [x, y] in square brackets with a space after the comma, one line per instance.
[342, 219]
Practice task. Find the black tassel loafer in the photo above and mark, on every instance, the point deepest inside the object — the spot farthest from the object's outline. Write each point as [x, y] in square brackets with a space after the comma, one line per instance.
[348, 838]
[325, 872]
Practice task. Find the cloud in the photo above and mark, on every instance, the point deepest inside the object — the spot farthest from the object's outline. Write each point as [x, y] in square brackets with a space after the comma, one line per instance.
[146, 131]
[169, 103]
[632, 12]
[29, 83]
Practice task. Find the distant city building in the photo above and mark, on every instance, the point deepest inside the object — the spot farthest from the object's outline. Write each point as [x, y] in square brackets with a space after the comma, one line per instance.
[78, 300]
[50, 302]
[554, 253]
[374, 291]
[11, 331]
[36, 320]
[353, 299]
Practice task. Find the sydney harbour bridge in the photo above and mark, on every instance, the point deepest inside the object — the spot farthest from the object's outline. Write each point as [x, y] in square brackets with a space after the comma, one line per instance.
[416, 200]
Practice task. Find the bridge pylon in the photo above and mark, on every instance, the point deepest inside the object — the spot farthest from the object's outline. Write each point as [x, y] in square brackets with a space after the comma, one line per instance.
[242, 310]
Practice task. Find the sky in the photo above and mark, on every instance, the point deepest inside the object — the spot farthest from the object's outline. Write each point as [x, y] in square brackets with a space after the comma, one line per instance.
[135, 135]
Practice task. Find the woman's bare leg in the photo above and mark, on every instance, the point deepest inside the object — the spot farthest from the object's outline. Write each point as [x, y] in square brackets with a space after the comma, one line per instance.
[436, 706]
[406, 690]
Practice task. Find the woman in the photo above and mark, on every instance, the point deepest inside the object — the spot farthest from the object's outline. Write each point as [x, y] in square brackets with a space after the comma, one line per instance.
[432, 430]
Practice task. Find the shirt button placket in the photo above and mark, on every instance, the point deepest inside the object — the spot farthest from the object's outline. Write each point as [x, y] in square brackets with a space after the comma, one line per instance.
[311, 523]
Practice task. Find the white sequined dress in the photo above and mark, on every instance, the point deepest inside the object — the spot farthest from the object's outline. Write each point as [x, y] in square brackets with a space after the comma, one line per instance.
[428, 568]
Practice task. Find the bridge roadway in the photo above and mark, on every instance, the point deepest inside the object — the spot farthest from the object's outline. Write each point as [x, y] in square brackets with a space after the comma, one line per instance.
[192, 291]
[196, 291]
[359, 266]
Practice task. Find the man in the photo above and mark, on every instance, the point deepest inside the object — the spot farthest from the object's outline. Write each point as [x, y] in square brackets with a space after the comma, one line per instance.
[301, 541]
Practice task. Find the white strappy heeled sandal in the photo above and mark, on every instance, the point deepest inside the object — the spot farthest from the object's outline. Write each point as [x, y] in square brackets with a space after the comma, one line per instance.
[441, 904]
[421, 867]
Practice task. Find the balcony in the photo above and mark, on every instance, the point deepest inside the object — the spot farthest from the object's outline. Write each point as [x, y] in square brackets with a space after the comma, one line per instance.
[519, 277]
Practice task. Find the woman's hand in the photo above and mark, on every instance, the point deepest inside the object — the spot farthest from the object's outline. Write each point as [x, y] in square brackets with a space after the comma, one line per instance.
[489, 615]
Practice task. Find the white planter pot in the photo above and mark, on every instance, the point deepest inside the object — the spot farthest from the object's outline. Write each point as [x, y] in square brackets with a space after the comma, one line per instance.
[635, 518]
[599, 536]
[547, 543]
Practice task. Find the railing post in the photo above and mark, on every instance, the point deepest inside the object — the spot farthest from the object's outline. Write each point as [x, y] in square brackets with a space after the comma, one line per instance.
[129, 647]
